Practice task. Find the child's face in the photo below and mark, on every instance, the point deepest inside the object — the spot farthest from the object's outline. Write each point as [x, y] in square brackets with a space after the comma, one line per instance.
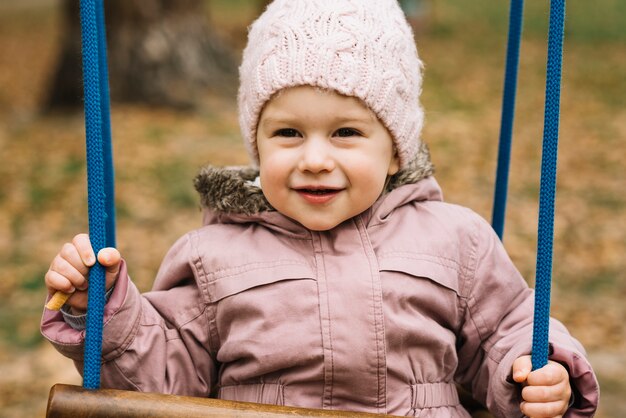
[324, 157]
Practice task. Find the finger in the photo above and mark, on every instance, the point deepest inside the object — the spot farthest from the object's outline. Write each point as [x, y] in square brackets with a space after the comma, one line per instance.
[543, 409]
[110, 259]
[549, 375]
[560, 392]
[521, 368]
[67, 270]
[84, 248]
[58, 282]
[70, 253]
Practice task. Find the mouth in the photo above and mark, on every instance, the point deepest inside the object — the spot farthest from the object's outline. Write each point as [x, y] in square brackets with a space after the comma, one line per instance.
[317, 195]
[319, 192]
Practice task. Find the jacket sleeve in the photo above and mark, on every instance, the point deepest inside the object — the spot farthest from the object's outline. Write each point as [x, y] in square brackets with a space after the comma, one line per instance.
[155, 342]
[497, 329]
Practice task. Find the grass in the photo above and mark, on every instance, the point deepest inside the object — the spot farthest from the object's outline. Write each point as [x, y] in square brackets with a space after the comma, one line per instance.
[42, 193]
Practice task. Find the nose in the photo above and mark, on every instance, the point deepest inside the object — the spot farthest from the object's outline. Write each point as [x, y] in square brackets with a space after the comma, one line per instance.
[317, 155]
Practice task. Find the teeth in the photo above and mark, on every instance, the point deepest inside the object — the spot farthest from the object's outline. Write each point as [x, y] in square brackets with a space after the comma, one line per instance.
[318, 191]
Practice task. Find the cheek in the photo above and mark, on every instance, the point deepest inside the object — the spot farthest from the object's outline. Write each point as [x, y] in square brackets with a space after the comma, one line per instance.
[266, 167]
[369, 179]
[374, 171]
[272, 180]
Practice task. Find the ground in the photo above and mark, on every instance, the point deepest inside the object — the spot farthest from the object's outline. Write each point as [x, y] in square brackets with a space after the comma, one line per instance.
[157, 153]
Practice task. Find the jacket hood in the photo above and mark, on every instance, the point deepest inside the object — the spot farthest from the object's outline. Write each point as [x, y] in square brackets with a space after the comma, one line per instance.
[236, 190]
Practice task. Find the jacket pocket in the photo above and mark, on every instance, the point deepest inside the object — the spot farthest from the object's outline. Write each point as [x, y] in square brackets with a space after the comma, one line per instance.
[444, 272]
[264, 319]
[233, 281]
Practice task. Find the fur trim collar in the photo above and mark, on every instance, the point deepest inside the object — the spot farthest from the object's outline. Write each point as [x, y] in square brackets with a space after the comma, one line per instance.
[233, 190]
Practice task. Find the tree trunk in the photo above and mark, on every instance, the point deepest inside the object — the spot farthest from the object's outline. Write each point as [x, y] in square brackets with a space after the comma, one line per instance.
[160, 52]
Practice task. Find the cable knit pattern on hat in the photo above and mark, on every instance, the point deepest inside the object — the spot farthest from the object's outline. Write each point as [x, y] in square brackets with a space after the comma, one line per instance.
[360, 48]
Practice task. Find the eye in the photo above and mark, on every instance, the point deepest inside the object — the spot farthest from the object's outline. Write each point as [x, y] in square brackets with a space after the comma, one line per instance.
[287, 132]
[346, 132]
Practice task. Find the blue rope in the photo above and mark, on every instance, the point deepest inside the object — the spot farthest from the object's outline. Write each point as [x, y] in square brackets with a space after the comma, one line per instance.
[96, 116]
[516, 13]
[547, 190]
[109, 180]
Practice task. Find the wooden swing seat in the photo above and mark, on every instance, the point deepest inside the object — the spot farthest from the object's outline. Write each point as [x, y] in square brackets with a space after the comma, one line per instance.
[68, 401]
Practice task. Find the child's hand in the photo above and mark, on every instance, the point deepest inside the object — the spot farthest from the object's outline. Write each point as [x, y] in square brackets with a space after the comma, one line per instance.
[546, 391]
[69, 270]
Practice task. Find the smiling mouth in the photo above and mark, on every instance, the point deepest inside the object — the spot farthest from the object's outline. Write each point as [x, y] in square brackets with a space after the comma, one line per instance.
[318, 195]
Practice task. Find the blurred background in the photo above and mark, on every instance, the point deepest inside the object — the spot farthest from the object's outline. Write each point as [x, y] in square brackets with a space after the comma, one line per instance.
[173, 81]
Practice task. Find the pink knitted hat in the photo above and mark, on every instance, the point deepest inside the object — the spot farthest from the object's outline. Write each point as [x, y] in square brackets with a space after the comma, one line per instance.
[360, 48]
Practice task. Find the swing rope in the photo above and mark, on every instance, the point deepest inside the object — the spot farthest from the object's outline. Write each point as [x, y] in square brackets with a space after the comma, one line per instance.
[547, 191]
[101, 185]
[109, 177]
[99, 176]
[516, 14]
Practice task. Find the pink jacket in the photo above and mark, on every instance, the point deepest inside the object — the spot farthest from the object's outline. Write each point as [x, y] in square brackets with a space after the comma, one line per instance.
[383, 314]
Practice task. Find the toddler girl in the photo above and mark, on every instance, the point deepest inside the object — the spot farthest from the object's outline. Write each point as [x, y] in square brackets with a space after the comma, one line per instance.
[330, 274]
